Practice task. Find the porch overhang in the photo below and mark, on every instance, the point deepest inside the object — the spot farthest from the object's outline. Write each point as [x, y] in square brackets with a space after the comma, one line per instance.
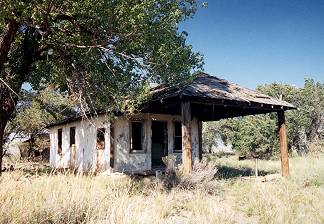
[210, 99]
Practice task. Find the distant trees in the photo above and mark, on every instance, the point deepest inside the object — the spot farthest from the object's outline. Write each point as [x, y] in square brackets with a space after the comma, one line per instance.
[258, 134]
[34, 111]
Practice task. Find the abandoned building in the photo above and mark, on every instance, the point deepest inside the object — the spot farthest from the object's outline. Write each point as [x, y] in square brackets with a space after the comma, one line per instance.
[169, 123]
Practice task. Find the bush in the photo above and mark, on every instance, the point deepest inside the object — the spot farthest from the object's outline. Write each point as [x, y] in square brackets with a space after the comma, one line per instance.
[202, 177]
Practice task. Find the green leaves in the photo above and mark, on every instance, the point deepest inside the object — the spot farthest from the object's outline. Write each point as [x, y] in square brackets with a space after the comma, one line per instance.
[36, 110]
[104, 51]
[258, 134]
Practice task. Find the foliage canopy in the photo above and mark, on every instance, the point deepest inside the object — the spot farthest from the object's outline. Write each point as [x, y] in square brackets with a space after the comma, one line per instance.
[102, 52]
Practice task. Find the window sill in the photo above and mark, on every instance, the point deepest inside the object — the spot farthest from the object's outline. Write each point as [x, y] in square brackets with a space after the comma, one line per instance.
[138, 152]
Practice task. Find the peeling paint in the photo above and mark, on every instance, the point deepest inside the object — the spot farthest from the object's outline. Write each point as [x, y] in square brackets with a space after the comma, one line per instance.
[85, 157]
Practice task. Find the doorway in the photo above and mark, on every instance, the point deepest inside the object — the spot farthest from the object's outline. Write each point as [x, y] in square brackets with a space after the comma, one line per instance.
[159, 143]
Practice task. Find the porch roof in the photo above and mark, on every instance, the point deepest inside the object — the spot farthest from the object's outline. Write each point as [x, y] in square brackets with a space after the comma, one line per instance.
[212, 98]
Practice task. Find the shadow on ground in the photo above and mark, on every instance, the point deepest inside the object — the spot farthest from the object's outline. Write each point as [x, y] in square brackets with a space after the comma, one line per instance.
[227, 172]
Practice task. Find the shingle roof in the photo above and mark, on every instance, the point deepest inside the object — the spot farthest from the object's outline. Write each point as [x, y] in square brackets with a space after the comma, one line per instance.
[211, 87]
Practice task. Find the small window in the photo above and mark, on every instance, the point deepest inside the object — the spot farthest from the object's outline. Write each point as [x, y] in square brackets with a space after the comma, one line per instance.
[72, 136]
[59, 141]
[100, 139]
[177, 137]
[136, 136]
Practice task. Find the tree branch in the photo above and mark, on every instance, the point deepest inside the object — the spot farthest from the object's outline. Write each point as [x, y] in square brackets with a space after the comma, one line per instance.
[8, 38]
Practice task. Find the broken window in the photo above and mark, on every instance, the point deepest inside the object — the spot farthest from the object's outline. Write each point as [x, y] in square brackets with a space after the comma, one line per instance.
[112, 145]
[72, 136]
[100, 138]
[59, 141]
[177, 137]
[136, 136]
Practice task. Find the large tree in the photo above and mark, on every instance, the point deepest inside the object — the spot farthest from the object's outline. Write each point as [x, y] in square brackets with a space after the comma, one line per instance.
[104, 52]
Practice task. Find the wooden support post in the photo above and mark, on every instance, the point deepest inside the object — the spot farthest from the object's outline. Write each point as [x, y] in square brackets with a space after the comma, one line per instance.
[256, 167]
[186, 137]
[200, 138]
[283, 144]
[112, 145]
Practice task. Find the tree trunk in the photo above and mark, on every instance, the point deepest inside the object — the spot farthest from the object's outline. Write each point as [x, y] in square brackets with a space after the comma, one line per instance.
[31, 151]
[3, 123]
[7, 39]
[5, 96]
[12, 80]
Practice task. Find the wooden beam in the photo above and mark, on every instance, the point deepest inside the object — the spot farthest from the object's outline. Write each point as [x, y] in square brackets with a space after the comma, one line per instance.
[112, 145]
[283, 144]
[200, 138]
[186, 137]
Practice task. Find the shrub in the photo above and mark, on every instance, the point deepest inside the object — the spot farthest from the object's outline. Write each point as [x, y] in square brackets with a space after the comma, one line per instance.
[202, 177]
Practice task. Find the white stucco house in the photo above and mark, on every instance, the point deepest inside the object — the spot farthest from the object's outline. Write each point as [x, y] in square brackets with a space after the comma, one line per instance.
[169, 123]
[128, 143]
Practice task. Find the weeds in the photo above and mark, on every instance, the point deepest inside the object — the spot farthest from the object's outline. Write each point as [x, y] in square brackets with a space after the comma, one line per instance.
[198, 198]
[203, 177]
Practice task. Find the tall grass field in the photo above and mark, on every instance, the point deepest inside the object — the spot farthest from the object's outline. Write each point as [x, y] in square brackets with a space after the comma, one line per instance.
[230, 197]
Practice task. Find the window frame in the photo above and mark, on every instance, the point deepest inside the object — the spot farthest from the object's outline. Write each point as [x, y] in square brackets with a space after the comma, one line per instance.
[72, 128]
[142, 150]
[103, 131]
[177, 136]
[59, 141]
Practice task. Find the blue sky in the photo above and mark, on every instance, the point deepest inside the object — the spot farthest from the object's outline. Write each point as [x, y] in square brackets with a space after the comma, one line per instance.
[251, 42]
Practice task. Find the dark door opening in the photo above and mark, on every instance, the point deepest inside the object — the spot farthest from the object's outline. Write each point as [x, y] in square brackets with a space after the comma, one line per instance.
[159, 142]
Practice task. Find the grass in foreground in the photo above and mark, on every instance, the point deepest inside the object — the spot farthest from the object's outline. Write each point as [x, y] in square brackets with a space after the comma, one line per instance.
[298, 199]
[101, 199]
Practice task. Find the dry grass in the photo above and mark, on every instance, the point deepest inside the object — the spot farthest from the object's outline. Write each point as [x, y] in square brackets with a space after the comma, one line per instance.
[81, 199]
[65, 198]
[298, 199]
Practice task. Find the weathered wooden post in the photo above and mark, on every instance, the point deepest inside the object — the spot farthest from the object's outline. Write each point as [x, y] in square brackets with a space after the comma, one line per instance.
[200, 139]
[112, 145]
[256, 167]
[186, 137]
[283, 144]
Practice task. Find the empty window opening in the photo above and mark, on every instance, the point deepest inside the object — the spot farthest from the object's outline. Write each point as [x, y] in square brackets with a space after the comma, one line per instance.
[177, 137]
[137, 135]
[59, 141]
[100, 138]
[112, 145]
[72, 136]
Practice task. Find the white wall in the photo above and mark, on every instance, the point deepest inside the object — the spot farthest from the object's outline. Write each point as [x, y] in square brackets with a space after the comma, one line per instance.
[85, 141]
[124, 160]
